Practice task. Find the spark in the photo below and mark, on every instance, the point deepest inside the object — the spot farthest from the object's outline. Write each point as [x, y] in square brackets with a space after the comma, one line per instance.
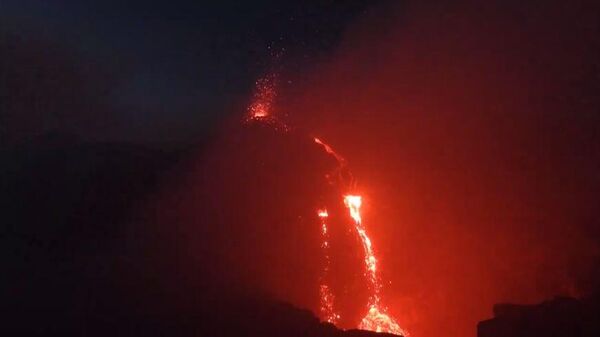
[262, 107]
[327, 308]
[264, 96]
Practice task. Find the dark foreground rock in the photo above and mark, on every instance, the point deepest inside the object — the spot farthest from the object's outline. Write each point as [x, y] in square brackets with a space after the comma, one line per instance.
[79, 260]
[225, 319]
[561, 316]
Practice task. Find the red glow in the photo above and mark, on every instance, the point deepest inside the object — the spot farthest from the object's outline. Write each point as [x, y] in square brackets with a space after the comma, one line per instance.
[376, 318]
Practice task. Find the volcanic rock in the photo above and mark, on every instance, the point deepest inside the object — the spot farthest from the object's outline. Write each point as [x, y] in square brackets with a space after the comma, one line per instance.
[561, 316]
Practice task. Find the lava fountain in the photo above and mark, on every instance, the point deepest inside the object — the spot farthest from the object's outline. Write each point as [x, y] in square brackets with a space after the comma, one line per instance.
[261, 107]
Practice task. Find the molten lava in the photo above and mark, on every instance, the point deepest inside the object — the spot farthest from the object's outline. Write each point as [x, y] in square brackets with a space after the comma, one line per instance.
[353, 202]
[341, 161]
[326, 296]
[343, 176]
[376, 318]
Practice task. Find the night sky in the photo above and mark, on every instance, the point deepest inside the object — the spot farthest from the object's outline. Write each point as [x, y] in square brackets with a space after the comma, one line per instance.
[164, 71]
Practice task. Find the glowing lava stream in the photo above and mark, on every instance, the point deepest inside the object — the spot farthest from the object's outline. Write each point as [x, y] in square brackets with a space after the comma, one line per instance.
[326, 296]
[376, 318]
[341, 161]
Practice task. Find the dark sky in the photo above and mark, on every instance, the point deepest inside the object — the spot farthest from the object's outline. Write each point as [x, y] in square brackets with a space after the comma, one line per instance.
[168, 70]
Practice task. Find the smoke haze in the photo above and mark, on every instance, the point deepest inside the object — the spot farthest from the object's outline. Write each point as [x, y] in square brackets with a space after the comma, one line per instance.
[473, 133]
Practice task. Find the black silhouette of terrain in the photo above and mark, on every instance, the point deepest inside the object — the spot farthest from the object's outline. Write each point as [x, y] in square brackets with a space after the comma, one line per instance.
[561, 316]
[68, 266]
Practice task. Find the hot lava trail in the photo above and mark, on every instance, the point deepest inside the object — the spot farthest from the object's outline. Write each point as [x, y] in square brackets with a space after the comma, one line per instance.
[376, 318]
[326, 296]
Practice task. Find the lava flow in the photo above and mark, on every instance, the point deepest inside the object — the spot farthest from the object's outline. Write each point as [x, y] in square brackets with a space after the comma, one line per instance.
[326, 296]
[376, 318]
